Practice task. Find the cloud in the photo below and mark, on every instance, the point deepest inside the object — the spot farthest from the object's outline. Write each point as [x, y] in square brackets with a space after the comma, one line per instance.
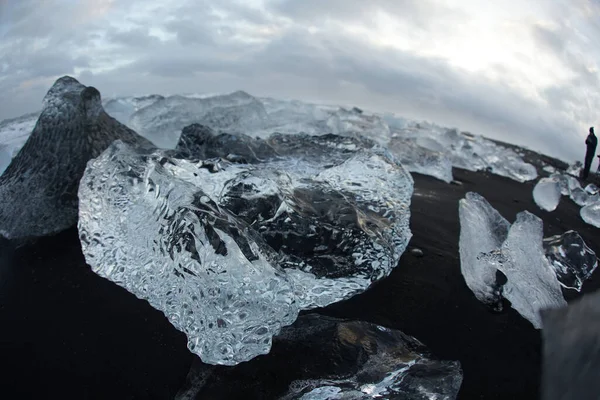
[523, 73]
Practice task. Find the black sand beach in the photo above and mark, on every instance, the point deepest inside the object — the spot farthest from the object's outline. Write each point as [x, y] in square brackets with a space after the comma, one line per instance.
[67, 333]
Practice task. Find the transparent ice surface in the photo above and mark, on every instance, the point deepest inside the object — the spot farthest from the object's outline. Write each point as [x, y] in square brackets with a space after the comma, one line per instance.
[572, 259]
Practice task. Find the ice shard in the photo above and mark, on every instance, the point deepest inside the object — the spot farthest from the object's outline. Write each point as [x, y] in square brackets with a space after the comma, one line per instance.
[532, 284]
[591, 214]
[165, 240]
[572, 259]
[547, 193]
[38, 190]
[482, 230]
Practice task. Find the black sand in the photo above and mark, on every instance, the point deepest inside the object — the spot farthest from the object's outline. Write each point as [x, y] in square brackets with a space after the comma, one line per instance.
[67, 333]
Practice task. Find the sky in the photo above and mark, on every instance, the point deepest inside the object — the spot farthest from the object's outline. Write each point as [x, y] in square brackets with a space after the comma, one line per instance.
[519, 71]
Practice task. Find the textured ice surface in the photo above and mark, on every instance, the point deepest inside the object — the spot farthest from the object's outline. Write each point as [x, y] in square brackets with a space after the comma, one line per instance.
[337, 211]
[38, 190]
[547, 193]
[386, 363]
[163, 120]
[334, 215]
[165, 240]
[466, 151]
[532, 284]
[591, 214]
[352, 359]
[482, 230]
[421, 160]
[572, 259]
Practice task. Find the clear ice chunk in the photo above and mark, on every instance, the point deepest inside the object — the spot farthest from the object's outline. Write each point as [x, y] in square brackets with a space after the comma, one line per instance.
[386, 363]
[482, 230]
[575, 169]
[165, 240]
[421, 160]
[572, 259]
[333, 214]
[592, 189]
[356, 360]
[336, 209]
[532, 284]
[591, 214]
[547, 193]
[38, 190]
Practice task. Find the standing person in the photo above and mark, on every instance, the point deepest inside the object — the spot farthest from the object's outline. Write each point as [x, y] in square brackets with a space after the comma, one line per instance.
[591, 142]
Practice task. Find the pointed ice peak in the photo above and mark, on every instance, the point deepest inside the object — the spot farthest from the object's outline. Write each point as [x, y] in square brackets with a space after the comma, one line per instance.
[62, 86]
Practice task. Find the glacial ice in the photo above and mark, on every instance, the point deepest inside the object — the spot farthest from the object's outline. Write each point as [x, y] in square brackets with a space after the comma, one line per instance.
[337, 211]
[345, 358]
[575, 169]
[38, 190]
[532, 284]
[166, 241]
[386, 363]
[332, 214]
[591, 214]
[592, 189]
[13, 135]
[572, 259]
[421, 160]
[482, 230]
[163, 120]
[547, 193]
[122, 108]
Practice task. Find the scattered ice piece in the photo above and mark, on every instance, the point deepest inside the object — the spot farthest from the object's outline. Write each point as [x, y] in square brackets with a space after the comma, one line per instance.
[421, 160]
[592, 189]
[146, 228]
[547, 193]
[581, 197]
[575, 169]
[549, 168]
[482, 230]
[390, 364]
[356, 360]
[572, 259]
[532, 284]
[38, 190]
[417, 252]
[591, 214]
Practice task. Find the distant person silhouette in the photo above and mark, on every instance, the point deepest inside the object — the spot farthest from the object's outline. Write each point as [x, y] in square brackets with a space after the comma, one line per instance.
[591, 142]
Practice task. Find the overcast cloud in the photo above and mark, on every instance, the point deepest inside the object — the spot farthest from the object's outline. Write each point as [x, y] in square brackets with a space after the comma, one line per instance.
[517, 71]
